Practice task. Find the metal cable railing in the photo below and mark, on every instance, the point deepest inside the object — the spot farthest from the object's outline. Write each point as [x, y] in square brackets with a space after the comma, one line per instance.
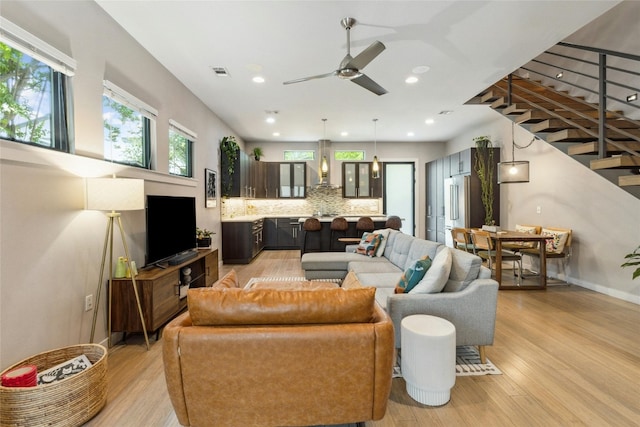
[608, 83]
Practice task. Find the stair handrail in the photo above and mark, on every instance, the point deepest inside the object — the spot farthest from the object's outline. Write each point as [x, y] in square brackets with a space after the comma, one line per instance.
[601, 92]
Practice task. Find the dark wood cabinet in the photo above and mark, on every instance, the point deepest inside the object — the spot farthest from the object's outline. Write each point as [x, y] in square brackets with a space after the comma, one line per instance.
[357, 182]
[282, 233]
[248, 178]
[242, 241]
[160, 293]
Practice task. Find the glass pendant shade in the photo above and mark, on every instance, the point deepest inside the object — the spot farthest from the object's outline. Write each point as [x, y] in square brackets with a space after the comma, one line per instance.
[325, 167]
[513, 172]
[375, 168]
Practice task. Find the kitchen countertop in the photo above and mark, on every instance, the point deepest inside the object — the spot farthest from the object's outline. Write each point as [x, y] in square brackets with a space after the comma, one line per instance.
[350, 218]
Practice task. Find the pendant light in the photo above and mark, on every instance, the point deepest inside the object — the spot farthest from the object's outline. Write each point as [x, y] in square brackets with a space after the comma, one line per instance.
[514, 172]
[375, 167]
[324, 167]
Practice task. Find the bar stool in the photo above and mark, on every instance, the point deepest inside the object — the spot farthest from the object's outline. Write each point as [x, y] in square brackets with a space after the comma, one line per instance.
[310, 225]
[393, 222]
[364, 224]
[339, 226]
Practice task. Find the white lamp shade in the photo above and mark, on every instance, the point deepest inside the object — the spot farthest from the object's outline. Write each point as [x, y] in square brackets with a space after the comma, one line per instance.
[513, 172]
[115, 194]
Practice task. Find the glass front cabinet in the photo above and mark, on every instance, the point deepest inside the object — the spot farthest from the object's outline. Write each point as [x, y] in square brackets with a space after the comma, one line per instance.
[357, 181]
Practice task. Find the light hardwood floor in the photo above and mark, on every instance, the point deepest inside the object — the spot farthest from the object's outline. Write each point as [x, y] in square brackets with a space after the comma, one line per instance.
[569, 356]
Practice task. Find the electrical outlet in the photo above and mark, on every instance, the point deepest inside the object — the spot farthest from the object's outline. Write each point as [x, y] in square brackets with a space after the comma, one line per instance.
[88, 303]
[538, 210]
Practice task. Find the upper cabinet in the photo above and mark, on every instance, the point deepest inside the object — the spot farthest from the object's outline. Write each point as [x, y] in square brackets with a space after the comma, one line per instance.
[460, 163]
[357, 181]
[286, 180]
[248, 178]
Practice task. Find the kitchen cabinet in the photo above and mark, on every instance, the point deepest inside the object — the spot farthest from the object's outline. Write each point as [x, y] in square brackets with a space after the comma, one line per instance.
[436, 171]
[286, 180]
[357, 181]
[282, 233]
[242, 241]
[248, 178]
[160, 293]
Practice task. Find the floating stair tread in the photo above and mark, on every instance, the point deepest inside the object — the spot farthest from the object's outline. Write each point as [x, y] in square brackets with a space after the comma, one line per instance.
[592, 148]
[616, 162]
[552, 125]
[489, 96]
[628, 180]
[535, 116]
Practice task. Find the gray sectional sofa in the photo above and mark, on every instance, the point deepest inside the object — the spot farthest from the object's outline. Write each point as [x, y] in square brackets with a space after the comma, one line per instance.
[468, 300]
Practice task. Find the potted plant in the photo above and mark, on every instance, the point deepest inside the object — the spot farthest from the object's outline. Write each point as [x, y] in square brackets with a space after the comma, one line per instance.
[634, 259]
[229, 150]
[485, 168]
[203, 237]
[257, 153]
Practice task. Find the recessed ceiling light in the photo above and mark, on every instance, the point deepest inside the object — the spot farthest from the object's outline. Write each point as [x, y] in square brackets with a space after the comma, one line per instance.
[276, 134]
[270, 119]
[445, 112]
[344, 133]
[411, 79]
[429, 121]
[420, 69]
[258, 79]
[410, 133]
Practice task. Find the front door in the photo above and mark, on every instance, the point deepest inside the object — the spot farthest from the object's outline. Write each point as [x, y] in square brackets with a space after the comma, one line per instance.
[399, 193]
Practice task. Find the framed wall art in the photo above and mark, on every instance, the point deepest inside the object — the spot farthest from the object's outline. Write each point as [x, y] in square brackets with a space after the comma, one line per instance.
[210, 197]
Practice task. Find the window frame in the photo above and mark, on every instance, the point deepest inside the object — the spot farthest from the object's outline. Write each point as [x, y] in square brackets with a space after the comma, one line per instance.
[190, 138]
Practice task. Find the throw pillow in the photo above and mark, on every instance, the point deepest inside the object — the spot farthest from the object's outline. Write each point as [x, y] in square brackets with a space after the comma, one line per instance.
[527, 229]
[437, 275]
[555, 245]
[412, 276]
[385, 236]
[369, 244]
[350, 281]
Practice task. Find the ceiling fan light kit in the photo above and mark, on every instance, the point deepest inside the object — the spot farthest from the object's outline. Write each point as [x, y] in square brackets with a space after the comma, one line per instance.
[350, 68]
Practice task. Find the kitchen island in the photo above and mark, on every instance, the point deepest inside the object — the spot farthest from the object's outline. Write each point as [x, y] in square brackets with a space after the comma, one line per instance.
[322, 242]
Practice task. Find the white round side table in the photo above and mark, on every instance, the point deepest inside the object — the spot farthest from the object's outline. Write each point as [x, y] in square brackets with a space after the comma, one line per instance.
[428, 358]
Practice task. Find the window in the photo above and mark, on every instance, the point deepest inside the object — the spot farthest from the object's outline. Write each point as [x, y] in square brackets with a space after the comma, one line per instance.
[180, 150]
[34, 81]
[348, 155]
[299, 155]
[128, 125]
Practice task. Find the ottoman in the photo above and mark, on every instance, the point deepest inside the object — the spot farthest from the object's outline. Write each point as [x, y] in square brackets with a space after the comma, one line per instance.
[428, 358]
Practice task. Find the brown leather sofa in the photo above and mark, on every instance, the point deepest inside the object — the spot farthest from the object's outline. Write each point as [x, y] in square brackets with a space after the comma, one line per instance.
[269, 357]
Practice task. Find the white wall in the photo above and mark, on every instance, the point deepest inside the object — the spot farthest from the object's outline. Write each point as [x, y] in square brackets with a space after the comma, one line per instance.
[50, 248]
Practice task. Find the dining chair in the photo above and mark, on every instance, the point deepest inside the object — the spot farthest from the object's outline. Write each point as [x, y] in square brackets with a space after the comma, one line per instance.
[462, 240]
[559, 247]
[486, 250]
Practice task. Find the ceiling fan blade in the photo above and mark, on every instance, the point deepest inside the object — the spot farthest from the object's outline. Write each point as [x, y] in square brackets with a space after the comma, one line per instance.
[304, 79]
[369, 84]
[363, 58]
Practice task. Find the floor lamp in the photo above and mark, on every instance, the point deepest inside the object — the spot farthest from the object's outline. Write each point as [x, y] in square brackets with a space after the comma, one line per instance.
[115, 194]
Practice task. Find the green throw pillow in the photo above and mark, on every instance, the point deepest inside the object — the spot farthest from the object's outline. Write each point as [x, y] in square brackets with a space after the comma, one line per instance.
[412, 276]
[369, 244]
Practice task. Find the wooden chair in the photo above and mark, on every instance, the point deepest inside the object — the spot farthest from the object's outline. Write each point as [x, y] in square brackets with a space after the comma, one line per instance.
[558, 253]
[485, 250]
[462, 240]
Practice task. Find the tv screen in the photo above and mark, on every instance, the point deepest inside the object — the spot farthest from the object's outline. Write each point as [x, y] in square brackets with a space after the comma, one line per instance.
[171, 227]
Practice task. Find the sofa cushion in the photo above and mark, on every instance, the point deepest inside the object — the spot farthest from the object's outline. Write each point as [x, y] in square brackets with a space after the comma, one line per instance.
[413, 274]
[209, 306]
[436, 277]
[380, 280]
[397, 250]
[465, 268]
[376, 265]
[329, 260]
[369, 244]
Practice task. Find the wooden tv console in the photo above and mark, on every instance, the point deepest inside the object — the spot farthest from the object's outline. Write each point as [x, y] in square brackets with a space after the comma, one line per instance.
[159, 291]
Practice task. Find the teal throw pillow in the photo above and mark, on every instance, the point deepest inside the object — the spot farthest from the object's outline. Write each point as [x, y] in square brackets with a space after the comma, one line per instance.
[412, 276]
[369, 244]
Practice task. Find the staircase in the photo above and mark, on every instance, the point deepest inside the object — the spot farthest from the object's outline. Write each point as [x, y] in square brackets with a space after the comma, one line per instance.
[606, 141]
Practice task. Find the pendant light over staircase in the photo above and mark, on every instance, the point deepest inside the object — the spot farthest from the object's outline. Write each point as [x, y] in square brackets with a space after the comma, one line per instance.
[375, 167]
[514, 171]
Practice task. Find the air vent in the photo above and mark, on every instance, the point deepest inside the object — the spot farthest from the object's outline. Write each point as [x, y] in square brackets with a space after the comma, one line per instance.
[220, 71]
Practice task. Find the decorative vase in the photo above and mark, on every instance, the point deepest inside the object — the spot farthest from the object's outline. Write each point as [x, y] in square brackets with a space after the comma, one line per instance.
[205, 242]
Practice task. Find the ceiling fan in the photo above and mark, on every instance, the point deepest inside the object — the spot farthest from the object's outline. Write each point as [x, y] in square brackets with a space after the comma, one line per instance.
[351, 68]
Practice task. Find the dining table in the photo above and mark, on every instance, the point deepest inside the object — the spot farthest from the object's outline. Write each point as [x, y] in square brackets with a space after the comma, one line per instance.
[516, 236]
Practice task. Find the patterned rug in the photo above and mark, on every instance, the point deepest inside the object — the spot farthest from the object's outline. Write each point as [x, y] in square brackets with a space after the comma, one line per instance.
[467, 364]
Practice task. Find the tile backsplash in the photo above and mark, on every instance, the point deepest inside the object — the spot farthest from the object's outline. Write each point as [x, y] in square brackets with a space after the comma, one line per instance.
[320, 200]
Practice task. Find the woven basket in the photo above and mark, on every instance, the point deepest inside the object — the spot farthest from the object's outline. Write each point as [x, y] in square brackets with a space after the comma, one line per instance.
[68, 402]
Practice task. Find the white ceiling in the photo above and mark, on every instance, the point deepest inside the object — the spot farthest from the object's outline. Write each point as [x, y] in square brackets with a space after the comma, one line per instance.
[467, 45]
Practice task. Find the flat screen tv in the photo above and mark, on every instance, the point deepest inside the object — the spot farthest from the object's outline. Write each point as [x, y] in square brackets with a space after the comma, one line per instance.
[171, 229]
